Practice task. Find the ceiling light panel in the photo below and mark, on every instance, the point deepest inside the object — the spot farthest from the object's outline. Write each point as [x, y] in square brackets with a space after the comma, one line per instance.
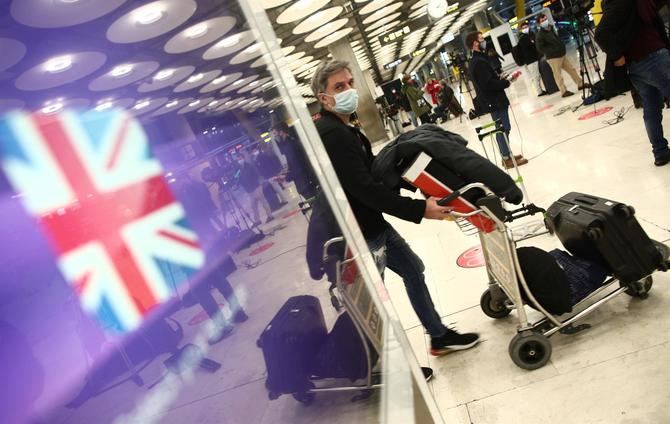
[299, 10]
[318, 19]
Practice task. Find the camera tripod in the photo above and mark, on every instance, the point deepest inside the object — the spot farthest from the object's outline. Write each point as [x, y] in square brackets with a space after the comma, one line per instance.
[588, 55]
[463, 80]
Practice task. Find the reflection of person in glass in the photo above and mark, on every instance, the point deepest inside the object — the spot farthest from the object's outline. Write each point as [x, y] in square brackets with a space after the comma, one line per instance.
[197, 200]
[299, 169]
[351, 155]
[270, 167]
[252, 183]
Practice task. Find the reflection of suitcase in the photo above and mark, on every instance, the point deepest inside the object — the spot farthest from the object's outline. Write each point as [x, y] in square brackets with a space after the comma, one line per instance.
[290, 343]
[547, 77]
[606, 232]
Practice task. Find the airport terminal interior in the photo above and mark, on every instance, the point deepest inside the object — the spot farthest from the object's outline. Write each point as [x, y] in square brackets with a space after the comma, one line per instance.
[200, 198]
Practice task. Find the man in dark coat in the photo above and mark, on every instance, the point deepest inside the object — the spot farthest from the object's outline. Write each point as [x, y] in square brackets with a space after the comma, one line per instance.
[351, 155]
[529, 57]
[632, 34]
[491, 93]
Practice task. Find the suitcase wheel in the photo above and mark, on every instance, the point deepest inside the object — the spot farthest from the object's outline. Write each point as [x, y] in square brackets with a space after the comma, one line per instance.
[259, 343]
[639, 289]
[594, 233]
[530, 350]
[306, 398]
[273, 395]
[626, 211]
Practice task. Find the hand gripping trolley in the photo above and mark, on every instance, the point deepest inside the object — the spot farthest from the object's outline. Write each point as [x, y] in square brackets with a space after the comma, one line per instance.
[530, 348]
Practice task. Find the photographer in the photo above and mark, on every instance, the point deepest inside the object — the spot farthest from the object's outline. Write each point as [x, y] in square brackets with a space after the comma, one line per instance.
[633, 35]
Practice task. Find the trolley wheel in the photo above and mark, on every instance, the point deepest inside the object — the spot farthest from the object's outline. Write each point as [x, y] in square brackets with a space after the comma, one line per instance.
[306, 398]
[493, 308]
[639, 289]
[530, 350]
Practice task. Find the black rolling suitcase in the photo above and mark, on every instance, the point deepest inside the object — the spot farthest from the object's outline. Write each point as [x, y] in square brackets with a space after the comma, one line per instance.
[605, 232]
[547, 76]
[290, 344]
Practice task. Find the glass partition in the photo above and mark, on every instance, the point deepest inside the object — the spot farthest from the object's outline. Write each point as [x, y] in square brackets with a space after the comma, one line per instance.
[176, 247]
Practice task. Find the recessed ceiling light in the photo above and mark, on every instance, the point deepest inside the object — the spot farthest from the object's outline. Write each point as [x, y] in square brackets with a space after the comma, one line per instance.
[142, 104]
[213, 103]
[58, 64]
[149, 14]
[195, 78]
[104, 105]
[121, 70]
[69, 1]
[194, 103]
[229, 41]
[238, 82]
[52, 107]
[253, 83]
[172, 104]
[219, 80]
[196, 31]
[164, 74]
[252, 48]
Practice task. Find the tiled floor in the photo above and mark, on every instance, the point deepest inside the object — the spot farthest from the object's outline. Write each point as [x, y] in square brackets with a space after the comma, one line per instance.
[615, 372]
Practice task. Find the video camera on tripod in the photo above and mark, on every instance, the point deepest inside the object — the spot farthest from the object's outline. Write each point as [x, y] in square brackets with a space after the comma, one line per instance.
[575, 9]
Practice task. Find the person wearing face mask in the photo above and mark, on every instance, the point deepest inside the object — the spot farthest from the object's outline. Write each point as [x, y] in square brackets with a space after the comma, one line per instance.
[418, 104]
[549, 45]
[351, 155]
[252, 182]
[491, 94]
[530, 57]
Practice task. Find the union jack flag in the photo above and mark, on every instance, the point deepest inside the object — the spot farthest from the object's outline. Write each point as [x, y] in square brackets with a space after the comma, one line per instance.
[99, 195]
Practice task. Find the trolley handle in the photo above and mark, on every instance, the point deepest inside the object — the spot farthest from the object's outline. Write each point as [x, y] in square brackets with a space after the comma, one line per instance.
[526, 210]
[497, 123]
[453, 196]
[326, 246]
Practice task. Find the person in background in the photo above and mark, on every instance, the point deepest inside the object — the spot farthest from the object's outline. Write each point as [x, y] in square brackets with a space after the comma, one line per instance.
[433, 87]
[549, 45]
[491, 92]
[633, 35]
[270, 167]
[252, 182]
[300, 171]
[418, 104]
[200, 211]
[448, 102]
[351, 155]
[530, 57]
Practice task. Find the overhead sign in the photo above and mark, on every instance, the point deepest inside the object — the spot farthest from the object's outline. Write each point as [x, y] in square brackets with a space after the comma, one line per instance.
[412, 26]
[407, 57]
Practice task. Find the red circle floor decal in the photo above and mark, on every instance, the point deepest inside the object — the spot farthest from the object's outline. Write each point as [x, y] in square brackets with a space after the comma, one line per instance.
[471, 258]
[595, 113]
[542, 109]
[260, 249]
[290, 214]
[200, 317]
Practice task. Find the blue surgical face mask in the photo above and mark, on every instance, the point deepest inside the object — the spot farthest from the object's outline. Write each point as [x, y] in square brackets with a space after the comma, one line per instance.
[346, 102]
[482, 45]
[545, 24]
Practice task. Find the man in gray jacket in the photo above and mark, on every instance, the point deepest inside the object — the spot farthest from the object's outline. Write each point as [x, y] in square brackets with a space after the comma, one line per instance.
[549, 45]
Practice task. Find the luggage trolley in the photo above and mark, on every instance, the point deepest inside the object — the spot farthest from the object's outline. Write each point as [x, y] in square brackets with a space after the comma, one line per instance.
[530, 348]
[347, 293]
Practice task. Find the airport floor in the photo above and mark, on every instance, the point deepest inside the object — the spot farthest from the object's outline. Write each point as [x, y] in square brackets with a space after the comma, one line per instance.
[615, 372]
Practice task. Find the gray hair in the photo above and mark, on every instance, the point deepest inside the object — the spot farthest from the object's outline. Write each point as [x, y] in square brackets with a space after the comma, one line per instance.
[324, 71]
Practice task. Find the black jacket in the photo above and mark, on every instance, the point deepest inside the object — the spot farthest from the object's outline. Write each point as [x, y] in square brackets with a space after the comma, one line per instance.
[250, 177]
[351, 155]
[527, 48]
[618, 26]
[268, 165]
[448, 149]
[488, 85]
[549, 45]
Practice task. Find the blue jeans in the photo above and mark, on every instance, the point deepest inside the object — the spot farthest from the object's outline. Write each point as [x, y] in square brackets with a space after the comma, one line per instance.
[651, 78]
[503, 115]
[390, 249]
